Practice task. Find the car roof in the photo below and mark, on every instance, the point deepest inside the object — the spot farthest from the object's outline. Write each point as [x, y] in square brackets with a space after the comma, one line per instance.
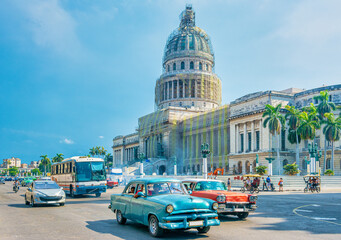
[42, 181]
[201, 180]
[155, 180]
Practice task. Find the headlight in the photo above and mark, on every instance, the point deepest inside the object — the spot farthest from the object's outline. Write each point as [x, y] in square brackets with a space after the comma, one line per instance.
[215, 206]
[169, 208]
[221, 198]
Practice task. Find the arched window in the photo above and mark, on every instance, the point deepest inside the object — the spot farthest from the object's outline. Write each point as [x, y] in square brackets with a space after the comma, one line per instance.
[191, 65]
[240, 167]
[198, 167]
[206, 67]
[247, 167]
[168, 68]
[193, 168]
[285, 162]
[174, 66]
[182, 65]
[200, 66]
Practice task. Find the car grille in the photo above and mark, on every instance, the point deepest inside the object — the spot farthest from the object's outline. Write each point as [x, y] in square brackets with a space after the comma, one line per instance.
[46, 199]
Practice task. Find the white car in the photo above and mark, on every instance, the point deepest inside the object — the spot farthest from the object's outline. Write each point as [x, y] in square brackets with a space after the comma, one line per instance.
[44, 192]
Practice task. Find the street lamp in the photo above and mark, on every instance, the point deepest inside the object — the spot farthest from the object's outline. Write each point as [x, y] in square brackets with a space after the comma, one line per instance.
[270, 159]
[205, 151]
[315, 156]
[141, 156]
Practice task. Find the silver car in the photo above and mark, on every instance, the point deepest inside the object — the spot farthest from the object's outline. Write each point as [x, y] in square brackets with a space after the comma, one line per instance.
[44, 192]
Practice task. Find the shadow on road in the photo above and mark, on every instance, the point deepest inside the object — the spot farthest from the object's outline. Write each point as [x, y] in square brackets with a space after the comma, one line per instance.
[19, 205]
[231, 218]
[98, 201]
[131, 229]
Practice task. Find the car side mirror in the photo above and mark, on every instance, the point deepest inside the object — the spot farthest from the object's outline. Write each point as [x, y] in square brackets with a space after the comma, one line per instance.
[29, 189]
[61, 188]
[140, 194]
[189, 191]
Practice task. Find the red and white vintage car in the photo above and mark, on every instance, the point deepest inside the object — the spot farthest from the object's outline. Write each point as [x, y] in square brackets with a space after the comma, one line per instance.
[230, 203]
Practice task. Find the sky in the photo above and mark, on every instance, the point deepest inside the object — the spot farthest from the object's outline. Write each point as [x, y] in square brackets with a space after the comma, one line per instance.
[74, 74]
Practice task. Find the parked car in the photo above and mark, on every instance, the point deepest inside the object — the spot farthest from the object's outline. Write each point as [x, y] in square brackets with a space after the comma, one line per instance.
[111, 183]
[230, 203]
[2, 181]
[8, 179]
[163, 203]
[44, 192]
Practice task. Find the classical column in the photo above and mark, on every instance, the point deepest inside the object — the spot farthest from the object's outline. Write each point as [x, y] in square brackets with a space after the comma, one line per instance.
[245, 137]
[177, 88]
[237, 138]
[253, 146]
[260, 134]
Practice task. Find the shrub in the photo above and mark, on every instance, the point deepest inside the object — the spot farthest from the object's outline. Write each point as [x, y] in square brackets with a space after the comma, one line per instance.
[329, 172]
[291, 169]
[261, 170]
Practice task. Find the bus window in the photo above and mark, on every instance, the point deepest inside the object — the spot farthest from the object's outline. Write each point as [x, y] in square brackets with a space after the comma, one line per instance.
[83, 171]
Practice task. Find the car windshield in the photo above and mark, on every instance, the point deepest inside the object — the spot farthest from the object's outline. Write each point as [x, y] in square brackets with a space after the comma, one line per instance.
[204, 186]
[90, 171]
[165, 188]
[46, 185]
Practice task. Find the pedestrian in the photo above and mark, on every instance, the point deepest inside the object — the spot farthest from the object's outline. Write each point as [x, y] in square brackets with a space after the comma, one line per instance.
[280, 184]
[268, 181]
[264, 184]
[229, 184]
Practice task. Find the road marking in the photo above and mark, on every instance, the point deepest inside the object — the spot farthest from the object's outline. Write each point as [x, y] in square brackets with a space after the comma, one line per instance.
[315, 205]
[317, 219]
[329, 219]
[302, 210]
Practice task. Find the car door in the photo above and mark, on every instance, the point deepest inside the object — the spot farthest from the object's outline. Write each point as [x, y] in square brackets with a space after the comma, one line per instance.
[126, 197]
[29, 193]
[137, 204]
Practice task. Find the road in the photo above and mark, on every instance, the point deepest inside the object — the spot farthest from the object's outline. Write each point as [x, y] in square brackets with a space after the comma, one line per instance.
[279, 216]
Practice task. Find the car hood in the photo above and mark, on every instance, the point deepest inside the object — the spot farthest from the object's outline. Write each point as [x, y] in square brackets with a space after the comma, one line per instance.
[182, 202]
[48, 192]
[230, 196]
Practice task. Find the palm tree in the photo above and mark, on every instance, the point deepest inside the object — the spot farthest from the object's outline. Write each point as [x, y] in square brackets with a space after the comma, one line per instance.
[92, 151]
[45, 161]
[325, 106]
[293, 117]
[308, 126]
[276, 122]
[97, 151]
[58, 158]
[332, 131]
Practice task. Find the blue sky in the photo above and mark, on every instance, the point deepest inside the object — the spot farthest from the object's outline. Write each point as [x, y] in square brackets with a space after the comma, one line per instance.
[74, 74]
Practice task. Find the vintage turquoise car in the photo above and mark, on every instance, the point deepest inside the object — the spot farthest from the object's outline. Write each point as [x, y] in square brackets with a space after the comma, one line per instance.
[163, 203]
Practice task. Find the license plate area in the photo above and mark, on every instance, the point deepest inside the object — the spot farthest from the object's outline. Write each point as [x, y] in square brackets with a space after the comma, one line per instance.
[239, 209]
[195, 223]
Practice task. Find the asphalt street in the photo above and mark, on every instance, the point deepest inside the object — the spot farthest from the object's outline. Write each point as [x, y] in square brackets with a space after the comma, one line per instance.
[288, 215]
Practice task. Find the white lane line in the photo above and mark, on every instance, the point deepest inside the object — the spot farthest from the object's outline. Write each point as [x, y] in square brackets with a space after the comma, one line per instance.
[326, 219]
[315, 205]
[302, 210]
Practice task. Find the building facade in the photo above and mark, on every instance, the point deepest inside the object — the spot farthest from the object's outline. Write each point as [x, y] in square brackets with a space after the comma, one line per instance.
[11, 162]
[189, 113]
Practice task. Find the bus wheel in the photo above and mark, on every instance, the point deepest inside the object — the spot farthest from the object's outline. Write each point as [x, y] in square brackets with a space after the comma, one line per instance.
[71, 192]
[98, 194]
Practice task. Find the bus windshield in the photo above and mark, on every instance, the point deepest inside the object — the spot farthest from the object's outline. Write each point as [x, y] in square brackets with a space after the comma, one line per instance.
[90, 171]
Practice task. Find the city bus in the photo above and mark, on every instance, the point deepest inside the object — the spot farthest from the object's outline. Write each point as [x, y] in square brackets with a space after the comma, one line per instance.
[80, 175]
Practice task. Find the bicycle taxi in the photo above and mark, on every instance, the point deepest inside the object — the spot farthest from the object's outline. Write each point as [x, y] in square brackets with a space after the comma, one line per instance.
[251, 183]
[313, 183]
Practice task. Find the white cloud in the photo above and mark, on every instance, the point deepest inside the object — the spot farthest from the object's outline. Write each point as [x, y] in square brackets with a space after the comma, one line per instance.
[67, 141]
[101, 137]
[51, 26]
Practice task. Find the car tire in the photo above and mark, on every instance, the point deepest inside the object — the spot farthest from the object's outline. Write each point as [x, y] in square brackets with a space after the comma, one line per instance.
[26, 202]
[32, 202]
[243, 215]
[119, 218]
[61, 204]
[153, 227]
[98, 194]
[204, 229]
[242, 189]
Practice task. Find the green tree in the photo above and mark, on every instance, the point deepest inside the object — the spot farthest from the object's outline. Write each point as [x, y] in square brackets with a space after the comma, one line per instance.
[13, 171]
[324, 106]
[291, 169]
[58, 158]
[293, 117]
[332, 131]
[261, 170]
[108, 160]
[45, 161]
[92, 151]
[36, 171]
[308, 126]
[276, 122]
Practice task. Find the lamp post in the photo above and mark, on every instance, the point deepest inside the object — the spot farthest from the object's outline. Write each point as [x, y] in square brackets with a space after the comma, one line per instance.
[175, 166]
[270, 159]
[315, 156]
[141, 156]
[308, 164]
[205, 150]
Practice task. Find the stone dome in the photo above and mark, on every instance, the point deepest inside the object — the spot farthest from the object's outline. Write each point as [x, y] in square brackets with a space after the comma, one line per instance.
[188, 40]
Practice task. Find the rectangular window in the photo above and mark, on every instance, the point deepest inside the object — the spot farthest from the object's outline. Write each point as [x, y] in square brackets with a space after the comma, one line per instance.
[170, 90]
[166, 91]
[175, 89]
[192, 88]
[257, 141]
[181, 90]
[186, 88]
[198, 88]
[241, 142]
[283, 140]
[249, 141]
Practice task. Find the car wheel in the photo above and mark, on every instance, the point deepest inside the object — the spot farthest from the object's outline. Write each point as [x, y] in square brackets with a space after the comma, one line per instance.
[98, 194]
[119, 217]
[26, 202]
[61, 204]
[154, 228]
[242, 189]
[243, 215]
[203, 229]
[32, 202]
